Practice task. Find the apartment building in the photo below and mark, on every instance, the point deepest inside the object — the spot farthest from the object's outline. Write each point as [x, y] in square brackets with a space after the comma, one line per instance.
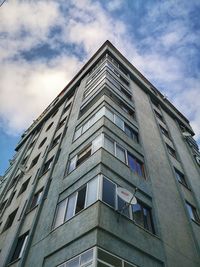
[109, 128]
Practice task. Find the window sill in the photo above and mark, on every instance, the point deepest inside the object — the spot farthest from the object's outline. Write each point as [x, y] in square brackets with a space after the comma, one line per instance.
[185, 186]
[198, 223]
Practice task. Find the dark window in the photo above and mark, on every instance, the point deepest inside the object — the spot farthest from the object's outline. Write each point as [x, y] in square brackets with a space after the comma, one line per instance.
[47, 165]
[55, 141]
[171, 151]
[21, 242]
[159, 115]
[56, 111]
[31, 145]
[84, 155]
[124, 80]
[10, 220]
[42, 143]
[180, 177]
[81, 199]
[36, 199]
[127, 110]
[109, 191]
[192, 212]
[50, 125]
[127, 94]
[66, 108]
[61, 123]
[13, 182]
[142, 216]
[131, 133]
[3, 205]
[24, 160]
[23, 187]
[164, 131]
[135, 165]
[11, 198]
[34, 161]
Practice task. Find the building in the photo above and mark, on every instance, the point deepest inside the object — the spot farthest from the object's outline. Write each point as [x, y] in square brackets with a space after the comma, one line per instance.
[109, 128]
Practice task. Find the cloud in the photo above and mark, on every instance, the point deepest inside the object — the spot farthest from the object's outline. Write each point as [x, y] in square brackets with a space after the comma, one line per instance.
[162, 46]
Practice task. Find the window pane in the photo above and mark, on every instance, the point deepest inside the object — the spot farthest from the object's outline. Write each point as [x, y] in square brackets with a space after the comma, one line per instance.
[138, 214]
[139, 168]
[70, 207]
[120, 153]
[132, 163]
[84, 155]
[99, 114]
[119, 122]
[97, 143]
[109, 145]
[92, 191]
[86, 126]
[77, 133]
[72, 164]
[108, 194]
[73, 263]
[87, 256]
[109, 114]
[110, 259]
[80, 204]
[60, 213]
[147, 219]
[122, 207]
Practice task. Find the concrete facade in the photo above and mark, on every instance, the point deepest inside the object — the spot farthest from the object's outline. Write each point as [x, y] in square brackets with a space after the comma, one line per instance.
[109, 128]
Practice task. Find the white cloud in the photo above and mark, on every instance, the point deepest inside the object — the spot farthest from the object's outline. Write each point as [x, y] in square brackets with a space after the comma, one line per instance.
[86, 24]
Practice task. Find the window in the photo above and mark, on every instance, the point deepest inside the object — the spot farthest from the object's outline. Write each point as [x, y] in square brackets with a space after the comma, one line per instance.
[131, 133]
[61, 123]
[55, 112]
[34, 161]
[47, 165]
[24, 160]
[85, 153]
[42, 143]
[10, 220]
[171, 151]
[56, 141]
[67, 108]
[192, 212]
[3, 205]
[76, 202]
[11, 198]
[36, 199]
[31, 144]
[122, 154]
[180, 177]
[13, 182]
[24, 186]
[158, 115]
[50, 125]
[109, 192]
[142, 216]
[164, 131]
[135, 165]
[21, 243]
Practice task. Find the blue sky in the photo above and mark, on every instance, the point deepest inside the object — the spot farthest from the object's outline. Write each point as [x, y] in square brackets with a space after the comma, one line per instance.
[44, 43]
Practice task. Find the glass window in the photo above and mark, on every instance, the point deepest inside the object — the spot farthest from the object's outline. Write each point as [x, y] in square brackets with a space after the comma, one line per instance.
[135, 165]
[42, 143]
[86, 257]
[72, 164]
[24, 186]
[86, 126]
[108, 258]
[171, 151]
[109, 190]
[80, 204]
[180, 177]
[122, 207]
[192, 212]
[119, 122]
[84, 155]
[34, 161]
[36, 199]
[97, 143]
[73, 263]
[60, 213]
[92, 191]
[109, 145]
[10, 220]
[109, 114]
[47, 165]
[21, 242]
[50, 125]
[120, 153]
[131, 133]
[99, 114]
[70, 207]
[132, 163]
[77, 133]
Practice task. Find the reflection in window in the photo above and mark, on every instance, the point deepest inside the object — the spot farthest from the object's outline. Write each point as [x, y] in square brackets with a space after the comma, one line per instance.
[109, 192]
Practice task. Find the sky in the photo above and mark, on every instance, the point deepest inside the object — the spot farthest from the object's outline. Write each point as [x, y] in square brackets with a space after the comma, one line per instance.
[44, 43]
